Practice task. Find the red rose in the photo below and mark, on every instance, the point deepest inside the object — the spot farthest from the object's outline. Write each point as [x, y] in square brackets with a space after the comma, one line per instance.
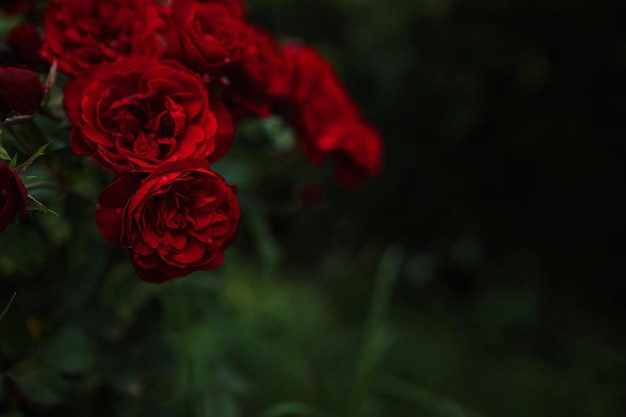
[316, 95]
[12, 195]
[20, 91]
[134, 114]
[26, 42]
[326, 120]
[82, 33]
[252, 83]
[357, 148]
[178, 220]
[203, 36]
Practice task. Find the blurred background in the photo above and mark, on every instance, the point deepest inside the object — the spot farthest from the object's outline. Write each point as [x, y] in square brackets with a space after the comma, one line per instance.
[480, 275]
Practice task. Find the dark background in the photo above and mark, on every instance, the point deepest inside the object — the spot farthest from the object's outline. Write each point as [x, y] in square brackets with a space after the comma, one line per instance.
[504, 162]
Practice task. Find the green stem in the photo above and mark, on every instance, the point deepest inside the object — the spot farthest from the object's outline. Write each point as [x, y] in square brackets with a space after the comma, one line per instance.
[41, 184]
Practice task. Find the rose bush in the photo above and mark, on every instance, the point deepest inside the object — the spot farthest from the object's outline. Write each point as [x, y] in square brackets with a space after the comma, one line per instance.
[153, 93]
[135, 114]
[82, 33]
[178, 220]
[20, 92]
[150, 92]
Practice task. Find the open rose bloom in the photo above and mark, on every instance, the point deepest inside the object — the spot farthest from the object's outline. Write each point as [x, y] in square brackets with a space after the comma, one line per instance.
[178, 219]
[153, 93]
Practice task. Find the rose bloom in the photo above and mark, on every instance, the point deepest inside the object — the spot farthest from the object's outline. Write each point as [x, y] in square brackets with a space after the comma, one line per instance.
[204, 36]
[82, 33]
[13, 196]
[178, 220]
[20, 92]
[326, 120]
[252, 83]
[357, 149]
[26, 42]
[134, 114]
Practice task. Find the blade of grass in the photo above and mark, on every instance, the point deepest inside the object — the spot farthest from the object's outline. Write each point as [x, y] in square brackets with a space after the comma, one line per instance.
[375, 339]
[8, 306]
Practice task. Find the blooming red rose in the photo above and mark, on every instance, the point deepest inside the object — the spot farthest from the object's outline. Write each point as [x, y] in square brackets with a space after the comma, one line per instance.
[26, 42]
[357, 148]
[315, 92]
[204, 36]
[326, 120]
[134, 114]
[12, 195]
[20, 91]
[252, 83]
[82, 33]
[178, 220]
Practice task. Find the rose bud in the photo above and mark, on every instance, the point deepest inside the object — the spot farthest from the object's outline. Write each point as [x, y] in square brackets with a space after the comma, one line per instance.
[20, 92]
[26, 42]
[13, 195]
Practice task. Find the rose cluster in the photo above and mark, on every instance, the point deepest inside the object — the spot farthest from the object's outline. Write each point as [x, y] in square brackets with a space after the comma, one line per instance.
[156, 88]
[154, 124]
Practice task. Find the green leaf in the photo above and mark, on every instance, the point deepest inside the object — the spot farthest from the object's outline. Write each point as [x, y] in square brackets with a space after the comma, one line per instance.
[70, 352]
[39, 382]
[4, 154]
[36, 205]
[280, 134]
